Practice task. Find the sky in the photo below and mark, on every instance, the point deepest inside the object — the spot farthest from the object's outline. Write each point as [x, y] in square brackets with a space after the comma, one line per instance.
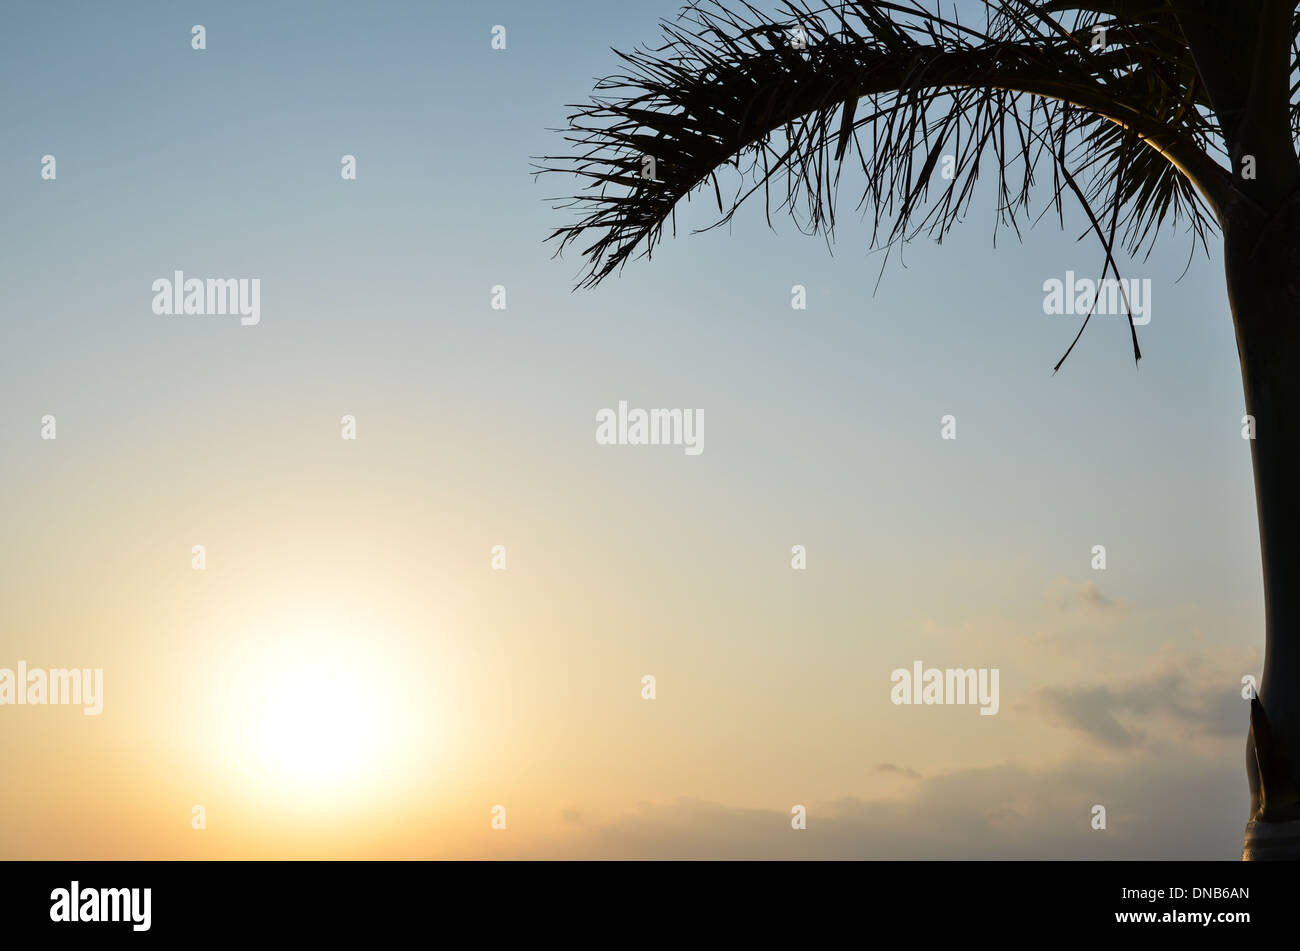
[350, 676]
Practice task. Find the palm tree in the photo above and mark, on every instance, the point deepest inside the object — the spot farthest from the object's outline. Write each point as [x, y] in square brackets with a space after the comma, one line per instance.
[1147, 112]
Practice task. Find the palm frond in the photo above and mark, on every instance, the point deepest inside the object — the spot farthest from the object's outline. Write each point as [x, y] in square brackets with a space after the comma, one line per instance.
[896, 86]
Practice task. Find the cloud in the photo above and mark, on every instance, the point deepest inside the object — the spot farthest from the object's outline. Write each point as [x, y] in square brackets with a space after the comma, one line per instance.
[1090, 594]
[1181, 807]
[1178, 792]
[1092, 711]
[1084, 597]
[1117, 716]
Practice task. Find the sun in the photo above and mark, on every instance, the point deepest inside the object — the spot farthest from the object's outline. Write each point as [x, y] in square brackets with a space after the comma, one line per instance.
[321, 715]
[315, 723]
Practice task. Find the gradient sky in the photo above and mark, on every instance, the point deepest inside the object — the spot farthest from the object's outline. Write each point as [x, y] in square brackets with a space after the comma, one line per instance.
[464, 687]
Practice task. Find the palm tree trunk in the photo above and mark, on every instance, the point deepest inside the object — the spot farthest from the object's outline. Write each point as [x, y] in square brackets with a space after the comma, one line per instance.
[1262, 254]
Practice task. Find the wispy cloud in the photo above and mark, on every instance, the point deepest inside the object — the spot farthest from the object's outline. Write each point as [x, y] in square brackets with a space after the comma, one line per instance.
[1117, 715]
[1084, 596]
